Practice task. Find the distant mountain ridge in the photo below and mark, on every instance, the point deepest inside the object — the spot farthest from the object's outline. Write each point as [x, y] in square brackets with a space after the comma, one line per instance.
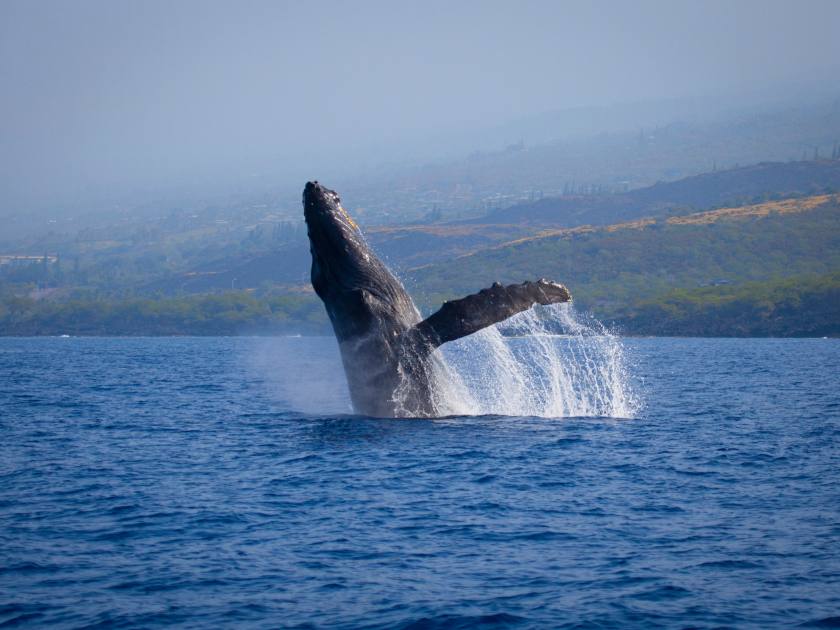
[409, 247]
[748, 184]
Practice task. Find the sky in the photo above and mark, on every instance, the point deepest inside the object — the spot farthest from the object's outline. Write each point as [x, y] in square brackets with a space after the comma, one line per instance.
[108, 98]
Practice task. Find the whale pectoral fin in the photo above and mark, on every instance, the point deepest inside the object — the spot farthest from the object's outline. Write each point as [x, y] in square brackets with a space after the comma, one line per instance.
[470, 314]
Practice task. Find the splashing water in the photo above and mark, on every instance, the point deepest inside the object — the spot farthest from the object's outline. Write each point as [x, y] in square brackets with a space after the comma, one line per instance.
[549, 361]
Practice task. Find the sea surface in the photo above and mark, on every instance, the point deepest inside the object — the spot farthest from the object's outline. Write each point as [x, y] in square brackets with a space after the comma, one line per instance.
[225, 482]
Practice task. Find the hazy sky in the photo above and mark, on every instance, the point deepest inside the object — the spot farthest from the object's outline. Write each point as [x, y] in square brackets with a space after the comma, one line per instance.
[99, 97]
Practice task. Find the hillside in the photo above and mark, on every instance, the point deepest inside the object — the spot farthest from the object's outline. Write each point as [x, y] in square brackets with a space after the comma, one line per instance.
[782, 206]
[609, 267]
[188, 253]
[408, 246]
[760, 269]
[770, 180]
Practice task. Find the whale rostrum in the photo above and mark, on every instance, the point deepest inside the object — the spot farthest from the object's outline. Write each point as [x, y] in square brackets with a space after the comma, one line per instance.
[387, 349]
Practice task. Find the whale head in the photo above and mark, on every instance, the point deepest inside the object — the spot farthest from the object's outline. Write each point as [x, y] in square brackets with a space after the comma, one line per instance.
[355, 286]
[340, 256]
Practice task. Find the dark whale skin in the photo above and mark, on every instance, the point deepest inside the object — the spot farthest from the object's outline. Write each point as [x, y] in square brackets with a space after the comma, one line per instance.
[386, 348]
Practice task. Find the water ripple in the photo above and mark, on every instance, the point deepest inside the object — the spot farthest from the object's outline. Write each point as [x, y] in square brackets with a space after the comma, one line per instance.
[153, 483]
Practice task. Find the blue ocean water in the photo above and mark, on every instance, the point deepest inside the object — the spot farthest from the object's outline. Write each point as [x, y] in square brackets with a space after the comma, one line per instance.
[203, 482]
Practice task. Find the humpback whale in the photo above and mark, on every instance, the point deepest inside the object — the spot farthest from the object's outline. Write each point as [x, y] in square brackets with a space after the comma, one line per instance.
[387, 349]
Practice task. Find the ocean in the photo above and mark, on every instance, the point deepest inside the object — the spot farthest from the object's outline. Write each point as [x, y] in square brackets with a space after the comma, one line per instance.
[225, 482]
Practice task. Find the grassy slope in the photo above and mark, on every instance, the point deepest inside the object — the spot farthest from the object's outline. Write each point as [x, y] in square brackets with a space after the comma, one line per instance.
[610, 267]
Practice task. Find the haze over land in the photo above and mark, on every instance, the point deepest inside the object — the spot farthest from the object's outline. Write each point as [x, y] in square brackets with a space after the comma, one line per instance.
[156, 151]
[125, 102]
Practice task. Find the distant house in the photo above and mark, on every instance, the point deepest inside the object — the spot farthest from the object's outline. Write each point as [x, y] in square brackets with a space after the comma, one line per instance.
[15, 260]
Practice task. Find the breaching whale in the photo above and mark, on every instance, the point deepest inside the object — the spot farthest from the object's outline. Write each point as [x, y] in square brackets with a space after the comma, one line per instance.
[387, 349]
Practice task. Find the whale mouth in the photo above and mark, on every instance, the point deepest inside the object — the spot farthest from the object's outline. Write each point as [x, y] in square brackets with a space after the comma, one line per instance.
[320, 204]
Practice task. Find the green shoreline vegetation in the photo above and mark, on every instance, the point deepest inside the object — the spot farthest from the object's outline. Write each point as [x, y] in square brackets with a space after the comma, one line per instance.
[806, 306]
[792, 307]
[232, 313]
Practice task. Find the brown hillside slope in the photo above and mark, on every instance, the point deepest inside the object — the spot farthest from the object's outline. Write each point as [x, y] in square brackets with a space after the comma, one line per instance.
[785, 206]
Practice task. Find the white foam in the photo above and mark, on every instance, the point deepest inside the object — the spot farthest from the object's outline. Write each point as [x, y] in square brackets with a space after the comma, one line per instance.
[548, 361]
